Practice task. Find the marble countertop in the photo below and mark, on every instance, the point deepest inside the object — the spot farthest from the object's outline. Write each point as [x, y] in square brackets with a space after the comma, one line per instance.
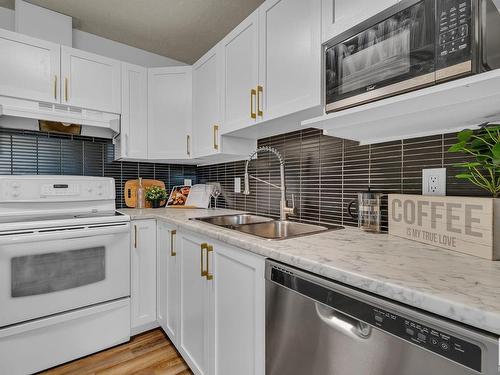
[450, 284]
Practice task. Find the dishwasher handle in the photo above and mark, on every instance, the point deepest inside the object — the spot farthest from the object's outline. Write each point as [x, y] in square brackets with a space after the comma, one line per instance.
[351, 327]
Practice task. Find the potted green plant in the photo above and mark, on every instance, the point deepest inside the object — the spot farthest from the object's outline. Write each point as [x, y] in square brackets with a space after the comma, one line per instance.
[484, 147]
[155, 195]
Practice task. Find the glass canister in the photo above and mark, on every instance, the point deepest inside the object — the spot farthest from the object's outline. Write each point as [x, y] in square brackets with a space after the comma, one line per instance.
[369, 213]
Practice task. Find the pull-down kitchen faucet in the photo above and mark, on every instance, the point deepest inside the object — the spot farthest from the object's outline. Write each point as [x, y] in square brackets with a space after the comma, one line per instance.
[284, 209]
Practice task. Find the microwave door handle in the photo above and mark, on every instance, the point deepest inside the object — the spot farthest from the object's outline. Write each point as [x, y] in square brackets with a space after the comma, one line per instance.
[489, 24]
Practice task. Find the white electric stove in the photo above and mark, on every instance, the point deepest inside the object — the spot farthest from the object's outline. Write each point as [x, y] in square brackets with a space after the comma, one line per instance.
[64, 270]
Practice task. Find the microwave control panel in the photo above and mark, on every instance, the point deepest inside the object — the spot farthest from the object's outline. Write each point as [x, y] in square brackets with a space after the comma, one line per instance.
[454, 35]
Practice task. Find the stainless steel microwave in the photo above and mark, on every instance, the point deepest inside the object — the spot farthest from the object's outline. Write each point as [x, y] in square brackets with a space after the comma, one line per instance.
[415, 43]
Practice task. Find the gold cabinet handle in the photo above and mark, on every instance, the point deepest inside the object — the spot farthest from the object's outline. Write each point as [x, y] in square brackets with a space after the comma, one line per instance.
[203, 246]
[209, 276]
[216, 137]
[55, 87]
[135, 236]
[173, 233]
[188, 145]
[260, 93]
[66, 89]
[253, 93]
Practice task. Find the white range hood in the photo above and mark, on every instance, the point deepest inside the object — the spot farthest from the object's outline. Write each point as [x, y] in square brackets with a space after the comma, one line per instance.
[108, 124]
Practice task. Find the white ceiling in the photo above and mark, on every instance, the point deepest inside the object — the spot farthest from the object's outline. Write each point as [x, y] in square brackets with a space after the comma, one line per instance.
[180, 29]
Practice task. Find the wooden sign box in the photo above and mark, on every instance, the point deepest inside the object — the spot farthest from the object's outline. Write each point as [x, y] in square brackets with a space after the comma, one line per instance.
[465, 224]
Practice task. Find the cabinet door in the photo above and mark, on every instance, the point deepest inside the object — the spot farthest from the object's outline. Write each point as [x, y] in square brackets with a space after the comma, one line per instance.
[168, 280]
[206, 105]
[29, 68]
[340, 15]
[134, 118]
[169, 112]
[239, 311]
[143, 288]
[290, 57]
[194, 304]
[240, 59]
[90, 81]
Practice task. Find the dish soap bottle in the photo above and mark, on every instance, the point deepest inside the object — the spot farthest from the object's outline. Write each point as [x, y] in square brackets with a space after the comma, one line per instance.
[140, 197]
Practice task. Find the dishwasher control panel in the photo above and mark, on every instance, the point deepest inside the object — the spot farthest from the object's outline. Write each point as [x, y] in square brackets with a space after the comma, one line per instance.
[454, 348]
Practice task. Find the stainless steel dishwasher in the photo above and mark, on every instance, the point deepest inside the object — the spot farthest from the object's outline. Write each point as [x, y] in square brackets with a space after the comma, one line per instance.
[318, 327]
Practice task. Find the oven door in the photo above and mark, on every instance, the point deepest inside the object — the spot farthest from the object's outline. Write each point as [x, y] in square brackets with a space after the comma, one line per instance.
[53, 270]
[377, 60]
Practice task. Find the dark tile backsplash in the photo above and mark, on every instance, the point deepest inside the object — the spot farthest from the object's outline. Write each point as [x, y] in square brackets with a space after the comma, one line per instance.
[324, 173]
[29, 152]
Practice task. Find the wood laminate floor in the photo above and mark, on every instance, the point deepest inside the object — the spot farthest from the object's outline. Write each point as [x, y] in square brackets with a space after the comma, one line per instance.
[150, 353]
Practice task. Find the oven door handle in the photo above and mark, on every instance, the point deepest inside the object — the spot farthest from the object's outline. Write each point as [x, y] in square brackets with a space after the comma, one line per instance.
[24, 236]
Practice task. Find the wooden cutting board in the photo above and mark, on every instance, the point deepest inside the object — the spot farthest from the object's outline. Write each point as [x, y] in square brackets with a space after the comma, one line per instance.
[131, 189]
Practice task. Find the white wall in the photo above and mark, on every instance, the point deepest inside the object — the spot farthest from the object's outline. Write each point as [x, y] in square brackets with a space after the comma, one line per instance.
[105, 47]
[101, 46]
[7, 19]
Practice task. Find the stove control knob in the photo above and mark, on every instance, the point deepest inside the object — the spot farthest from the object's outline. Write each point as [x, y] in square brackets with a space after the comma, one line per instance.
[89, 189]
[15, 194]
[16, 185]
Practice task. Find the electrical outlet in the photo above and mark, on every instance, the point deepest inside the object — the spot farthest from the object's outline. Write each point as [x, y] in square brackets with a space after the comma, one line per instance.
[188, 182]
[237, 184]
[434, 181]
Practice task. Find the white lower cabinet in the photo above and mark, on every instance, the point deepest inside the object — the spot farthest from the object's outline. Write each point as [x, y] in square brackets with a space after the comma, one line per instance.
[239, 312]
[168, 279]
[193, 342]
[222, 307]
[143, 275]
[208, 297]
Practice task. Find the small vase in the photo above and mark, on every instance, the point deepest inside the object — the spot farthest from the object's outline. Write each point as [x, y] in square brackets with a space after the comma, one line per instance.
[156, 203]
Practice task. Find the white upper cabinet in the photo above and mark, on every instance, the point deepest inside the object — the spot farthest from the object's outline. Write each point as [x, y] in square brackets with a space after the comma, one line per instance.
[169, 112]
[209, 143]
[90, 81]
[29, 68]
[239, 56]
[206, 105]
[289, 56]
[134, 119]
[341, 15]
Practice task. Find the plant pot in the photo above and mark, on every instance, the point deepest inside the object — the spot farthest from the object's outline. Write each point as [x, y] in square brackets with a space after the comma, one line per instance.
[156, 203]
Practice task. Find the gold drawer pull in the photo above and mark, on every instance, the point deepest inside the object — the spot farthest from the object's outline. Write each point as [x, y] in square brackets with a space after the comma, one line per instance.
[173, 233]
[216, 137]
[203, 246]
[260, 90]
[209, 276]
[253, 93]
[135, 236]
[66, 89]
[55, 87]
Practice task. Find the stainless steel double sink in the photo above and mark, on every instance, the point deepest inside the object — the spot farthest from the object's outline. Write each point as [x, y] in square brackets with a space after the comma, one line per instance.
[266, 227]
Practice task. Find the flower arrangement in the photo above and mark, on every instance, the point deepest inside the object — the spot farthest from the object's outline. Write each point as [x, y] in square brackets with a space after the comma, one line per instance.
[484, 146]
